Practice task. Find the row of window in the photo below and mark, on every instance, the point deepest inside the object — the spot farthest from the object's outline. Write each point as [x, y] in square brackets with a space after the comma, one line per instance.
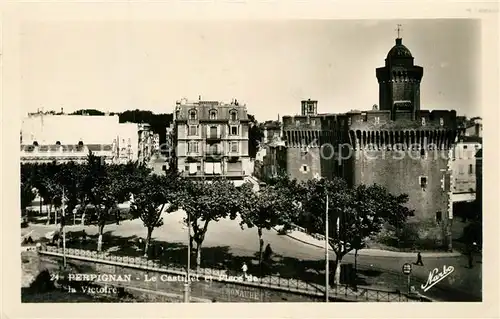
[461, 169]
[193, 115]
[35, 143]
[212, 132]
[193, 148]
[209, 168]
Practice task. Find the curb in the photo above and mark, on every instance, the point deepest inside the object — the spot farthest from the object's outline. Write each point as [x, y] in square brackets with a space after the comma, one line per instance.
[382, 253]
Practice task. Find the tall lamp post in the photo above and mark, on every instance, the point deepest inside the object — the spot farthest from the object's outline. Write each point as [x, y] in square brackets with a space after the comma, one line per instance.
[327, 261]
[63, 228]
[187, 282]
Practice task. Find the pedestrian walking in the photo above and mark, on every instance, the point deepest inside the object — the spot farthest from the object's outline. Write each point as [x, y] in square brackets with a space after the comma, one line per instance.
[268, 252]
[471, 259]
[84, 237]
[244, 268]
[470, 255]
[419, 259]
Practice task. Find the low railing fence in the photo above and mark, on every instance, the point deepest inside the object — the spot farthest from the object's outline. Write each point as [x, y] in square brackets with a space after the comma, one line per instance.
[342, 291]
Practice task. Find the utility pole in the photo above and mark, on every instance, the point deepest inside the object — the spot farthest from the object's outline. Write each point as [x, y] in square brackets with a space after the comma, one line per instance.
[327, 262]
[187, 282]
[63, 228]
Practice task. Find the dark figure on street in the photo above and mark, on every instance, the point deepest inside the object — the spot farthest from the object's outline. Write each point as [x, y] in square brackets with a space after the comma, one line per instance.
[268, 252]
[266, 259]
[470, 255]
[419, 259]
[55, 239]
[84, 237]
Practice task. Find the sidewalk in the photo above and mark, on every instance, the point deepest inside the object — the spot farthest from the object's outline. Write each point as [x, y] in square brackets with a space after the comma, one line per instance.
[309, 240]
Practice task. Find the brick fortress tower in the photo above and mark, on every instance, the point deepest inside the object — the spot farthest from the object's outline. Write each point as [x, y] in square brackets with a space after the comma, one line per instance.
[402, 147]
[307, 138]
[395, 144]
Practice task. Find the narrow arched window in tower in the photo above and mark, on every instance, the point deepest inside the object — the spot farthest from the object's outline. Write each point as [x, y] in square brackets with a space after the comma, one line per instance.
[422, 152]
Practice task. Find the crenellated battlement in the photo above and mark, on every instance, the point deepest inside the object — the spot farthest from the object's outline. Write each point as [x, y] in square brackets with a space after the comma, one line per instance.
[389, 140]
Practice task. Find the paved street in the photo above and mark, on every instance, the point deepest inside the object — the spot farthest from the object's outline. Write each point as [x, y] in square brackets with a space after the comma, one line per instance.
[226, 233]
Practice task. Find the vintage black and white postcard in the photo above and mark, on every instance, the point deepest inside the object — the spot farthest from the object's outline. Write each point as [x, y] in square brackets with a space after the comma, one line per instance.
[276, 160]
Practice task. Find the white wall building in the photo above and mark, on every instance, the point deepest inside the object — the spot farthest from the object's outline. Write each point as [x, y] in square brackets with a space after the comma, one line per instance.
[46, 137]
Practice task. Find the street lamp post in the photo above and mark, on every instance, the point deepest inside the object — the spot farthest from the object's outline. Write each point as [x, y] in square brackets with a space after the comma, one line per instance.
[327, 262]
[187, 282]
[63, 229]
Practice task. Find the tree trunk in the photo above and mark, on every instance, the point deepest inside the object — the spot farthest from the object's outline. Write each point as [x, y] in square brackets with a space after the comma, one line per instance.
[148, 241]
[198, 255]
[83, 216]
[337, 270]
[48, 213]
[356, 260]
[261, 245]
[117, 217]
[55, 215]
[99, 239]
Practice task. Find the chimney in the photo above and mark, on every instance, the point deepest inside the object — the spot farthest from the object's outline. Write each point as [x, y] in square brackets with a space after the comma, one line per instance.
[199, 97]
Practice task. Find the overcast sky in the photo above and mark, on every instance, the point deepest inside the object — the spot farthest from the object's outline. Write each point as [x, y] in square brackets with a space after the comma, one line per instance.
[269, 65]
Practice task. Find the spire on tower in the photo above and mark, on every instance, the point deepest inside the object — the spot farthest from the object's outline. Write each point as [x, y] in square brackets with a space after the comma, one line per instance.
[399, 30]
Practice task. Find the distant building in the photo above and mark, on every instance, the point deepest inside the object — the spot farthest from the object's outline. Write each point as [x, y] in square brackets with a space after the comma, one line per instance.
[147, 143]
[164, 154]
[464, 167]
[474, 127]
[210, 139]
[479, 180]
[272, 130]
[48, 137]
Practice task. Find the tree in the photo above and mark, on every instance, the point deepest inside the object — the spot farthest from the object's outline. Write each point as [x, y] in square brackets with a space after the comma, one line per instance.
[355, 213]
[92, 112]
[48, 185]
[105, 188]
[373, 207]
[293, 191]
[263, 209]
[205, 202]
[150, 195]
[255, 135]
[71, 178]
[28, 174]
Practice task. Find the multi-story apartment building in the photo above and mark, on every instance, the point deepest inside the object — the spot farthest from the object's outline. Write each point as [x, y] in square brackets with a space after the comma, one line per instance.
[464, 166]
[211, 139]
[62, 138]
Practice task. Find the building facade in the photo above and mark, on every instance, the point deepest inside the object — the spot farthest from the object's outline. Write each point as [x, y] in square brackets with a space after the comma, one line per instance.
[464, 166]
[474, 127]
[211, 139]
[63, 138]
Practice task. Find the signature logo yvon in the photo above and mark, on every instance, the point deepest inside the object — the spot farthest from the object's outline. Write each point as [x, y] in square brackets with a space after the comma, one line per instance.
[436, 276]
